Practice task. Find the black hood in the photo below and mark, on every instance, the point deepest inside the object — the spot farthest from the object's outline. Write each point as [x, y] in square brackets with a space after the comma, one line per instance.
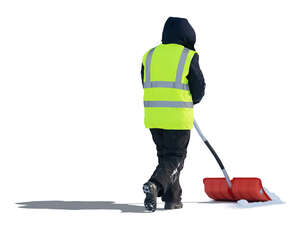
[179, 31]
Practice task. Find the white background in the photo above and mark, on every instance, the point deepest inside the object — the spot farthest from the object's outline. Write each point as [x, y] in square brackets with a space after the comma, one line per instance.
[71, 110]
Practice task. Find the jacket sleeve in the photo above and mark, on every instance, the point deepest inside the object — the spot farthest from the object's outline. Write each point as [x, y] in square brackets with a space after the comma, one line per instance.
[196, 80]
[142, 74]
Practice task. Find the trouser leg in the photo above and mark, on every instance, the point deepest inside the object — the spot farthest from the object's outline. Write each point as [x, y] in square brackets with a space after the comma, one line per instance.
[173, 192]
[172, 148]
[157, 136]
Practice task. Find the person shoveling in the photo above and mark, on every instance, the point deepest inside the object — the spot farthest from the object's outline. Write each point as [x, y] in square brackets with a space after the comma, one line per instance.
[173, 83]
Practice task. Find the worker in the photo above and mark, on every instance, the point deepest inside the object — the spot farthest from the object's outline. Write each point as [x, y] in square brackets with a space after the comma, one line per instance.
[173, 83]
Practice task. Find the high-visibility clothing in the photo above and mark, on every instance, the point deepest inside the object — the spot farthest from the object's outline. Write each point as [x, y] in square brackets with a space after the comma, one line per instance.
[167, 100]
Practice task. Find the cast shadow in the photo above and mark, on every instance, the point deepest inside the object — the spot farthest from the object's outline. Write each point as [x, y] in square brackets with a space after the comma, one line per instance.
[83, 205]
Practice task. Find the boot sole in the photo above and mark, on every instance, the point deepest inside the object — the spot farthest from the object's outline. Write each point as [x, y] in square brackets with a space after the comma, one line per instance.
[150, 200]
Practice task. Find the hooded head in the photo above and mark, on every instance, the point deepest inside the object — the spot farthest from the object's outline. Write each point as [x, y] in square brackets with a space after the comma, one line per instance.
[179, 31]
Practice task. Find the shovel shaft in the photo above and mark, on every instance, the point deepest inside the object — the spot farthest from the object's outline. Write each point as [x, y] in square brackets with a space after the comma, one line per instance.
[213, 153]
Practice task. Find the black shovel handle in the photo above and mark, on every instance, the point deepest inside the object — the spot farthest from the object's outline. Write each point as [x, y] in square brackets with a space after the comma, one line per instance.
[211, 149]
[214, 154]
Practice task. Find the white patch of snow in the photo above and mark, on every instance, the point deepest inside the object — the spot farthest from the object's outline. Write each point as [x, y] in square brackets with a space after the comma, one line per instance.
[275, 200]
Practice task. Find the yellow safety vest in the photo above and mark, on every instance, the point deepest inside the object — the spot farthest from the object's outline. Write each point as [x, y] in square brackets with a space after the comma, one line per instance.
[167, 99]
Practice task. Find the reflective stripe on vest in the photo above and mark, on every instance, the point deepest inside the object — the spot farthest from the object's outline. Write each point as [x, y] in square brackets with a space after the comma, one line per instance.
[166, 84]
[168, 104]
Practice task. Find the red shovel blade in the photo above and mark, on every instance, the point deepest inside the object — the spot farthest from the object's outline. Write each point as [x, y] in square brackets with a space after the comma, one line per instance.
[247, 188]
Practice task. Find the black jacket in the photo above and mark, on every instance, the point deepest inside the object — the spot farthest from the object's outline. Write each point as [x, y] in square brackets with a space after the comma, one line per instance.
[179, 31]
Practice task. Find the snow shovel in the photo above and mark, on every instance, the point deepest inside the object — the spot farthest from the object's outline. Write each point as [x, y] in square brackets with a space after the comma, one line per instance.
[224, 189]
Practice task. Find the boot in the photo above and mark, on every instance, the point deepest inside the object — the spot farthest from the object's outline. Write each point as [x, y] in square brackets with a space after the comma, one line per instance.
[173, 205]
[150, 189]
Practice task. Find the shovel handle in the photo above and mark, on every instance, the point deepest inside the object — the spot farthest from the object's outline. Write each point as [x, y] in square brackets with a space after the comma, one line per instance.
[211, 149]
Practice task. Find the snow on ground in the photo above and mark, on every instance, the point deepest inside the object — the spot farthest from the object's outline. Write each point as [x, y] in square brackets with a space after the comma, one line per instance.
[275, 200]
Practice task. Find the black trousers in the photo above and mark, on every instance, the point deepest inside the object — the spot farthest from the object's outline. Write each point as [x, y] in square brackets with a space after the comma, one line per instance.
[171, 148]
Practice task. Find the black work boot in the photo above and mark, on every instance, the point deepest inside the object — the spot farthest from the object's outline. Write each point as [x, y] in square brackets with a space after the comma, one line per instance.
[150, 190]
[173, 205]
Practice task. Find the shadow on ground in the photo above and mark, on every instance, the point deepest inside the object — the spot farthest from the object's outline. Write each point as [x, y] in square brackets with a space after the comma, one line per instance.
[83, 205]
[111, 205]
[95, 205]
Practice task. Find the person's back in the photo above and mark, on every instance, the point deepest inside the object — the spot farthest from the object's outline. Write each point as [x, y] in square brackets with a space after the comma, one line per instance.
[167, 99]
[173, 83]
